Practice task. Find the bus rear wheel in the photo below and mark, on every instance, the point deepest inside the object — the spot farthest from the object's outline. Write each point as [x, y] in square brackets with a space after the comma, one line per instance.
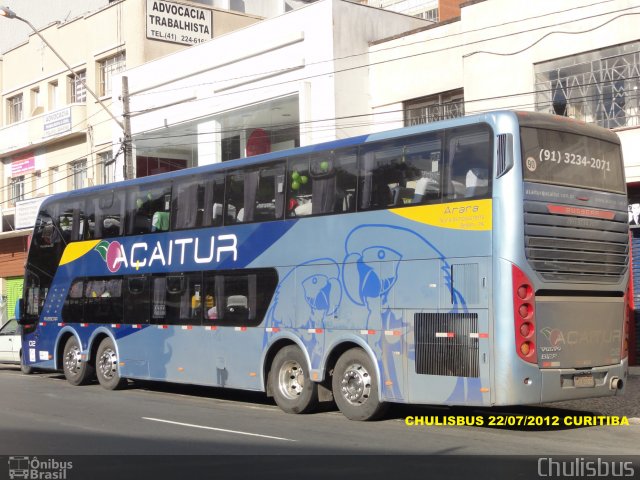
[355, 386]
[107, 366]
[292, 388]
[76, 369]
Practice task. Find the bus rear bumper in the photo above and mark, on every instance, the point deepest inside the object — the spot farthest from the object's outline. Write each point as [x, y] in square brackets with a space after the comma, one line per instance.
[569, 384]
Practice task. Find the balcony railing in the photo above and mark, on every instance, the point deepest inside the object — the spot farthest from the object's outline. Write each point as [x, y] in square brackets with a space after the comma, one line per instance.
[43, 128]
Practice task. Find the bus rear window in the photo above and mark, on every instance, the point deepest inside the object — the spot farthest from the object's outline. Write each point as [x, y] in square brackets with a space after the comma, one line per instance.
[562, 158]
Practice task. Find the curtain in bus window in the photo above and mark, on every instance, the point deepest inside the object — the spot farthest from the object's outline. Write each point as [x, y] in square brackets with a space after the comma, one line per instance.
[251, 181]
[186, 202]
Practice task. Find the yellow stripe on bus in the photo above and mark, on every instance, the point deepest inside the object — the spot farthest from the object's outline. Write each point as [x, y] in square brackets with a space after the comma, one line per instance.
[76, 250]
[471, 215]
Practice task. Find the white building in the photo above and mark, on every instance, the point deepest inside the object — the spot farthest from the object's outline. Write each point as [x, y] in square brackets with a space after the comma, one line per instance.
[299, 78]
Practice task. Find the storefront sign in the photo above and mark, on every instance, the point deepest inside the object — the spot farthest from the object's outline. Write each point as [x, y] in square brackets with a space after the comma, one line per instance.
[57, 122]
[178, 23]
[27, 212]
[23, 164]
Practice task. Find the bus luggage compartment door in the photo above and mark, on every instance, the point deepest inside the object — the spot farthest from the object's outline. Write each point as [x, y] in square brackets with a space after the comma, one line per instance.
[579, 332]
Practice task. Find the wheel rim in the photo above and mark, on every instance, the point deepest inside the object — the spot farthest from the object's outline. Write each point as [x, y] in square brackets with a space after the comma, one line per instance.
[108, 363]
[355, 384]
[291, 379]
[73, 360]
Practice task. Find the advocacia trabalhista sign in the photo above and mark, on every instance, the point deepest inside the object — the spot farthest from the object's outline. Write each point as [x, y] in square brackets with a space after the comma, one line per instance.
[178, 23]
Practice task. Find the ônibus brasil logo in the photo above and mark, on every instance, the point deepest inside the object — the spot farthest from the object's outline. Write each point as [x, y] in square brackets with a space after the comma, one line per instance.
[112, 253]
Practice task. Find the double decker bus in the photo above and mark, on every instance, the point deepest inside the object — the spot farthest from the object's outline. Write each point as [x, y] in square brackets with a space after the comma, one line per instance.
[476, 261]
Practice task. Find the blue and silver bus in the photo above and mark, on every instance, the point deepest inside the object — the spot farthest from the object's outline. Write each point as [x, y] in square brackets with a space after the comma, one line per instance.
[476, 261]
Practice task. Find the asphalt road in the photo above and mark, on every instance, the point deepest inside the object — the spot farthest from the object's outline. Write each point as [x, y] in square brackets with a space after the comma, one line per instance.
[42, 414]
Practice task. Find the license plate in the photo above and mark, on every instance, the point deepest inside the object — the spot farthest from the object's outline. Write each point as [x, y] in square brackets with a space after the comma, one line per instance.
[584, 381]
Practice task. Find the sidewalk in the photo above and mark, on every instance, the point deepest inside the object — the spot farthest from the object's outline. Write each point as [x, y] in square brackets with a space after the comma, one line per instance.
[634, 371]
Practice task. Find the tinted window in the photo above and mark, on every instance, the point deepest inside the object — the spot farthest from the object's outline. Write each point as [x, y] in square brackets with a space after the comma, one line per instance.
[177, 299]
[73, 308]
[238, 298]
[109, 214]
[148, 209]
[322, 183]
[256, 195]
[197, 202]
[469, 160]
[103, 300]
[137, 299]
[400, 172]
[562, 158]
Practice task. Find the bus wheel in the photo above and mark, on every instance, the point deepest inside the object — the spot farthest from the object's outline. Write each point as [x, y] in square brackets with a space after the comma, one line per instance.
[355, 387]
[76, 370]
[26, 369]
[107, 366]
[293, 390]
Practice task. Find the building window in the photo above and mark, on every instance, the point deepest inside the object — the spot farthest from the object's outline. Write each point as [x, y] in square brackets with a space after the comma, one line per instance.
[108, 164]
[36, 102]
[17, 189]
[77, 90]
[598, 87]
[53, 95]
[431, 15]
[107, 68]
[79, 174]
[15, 108]
[434, 107]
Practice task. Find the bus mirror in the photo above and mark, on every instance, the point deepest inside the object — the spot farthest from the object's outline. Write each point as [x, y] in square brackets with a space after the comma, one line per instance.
[18, 310]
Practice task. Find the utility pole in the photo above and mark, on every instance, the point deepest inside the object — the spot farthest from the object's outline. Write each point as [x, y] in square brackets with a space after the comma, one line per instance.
[126, 127]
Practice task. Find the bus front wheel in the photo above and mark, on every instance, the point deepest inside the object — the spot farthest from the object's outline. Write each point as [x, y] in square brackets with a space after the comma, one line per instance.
[107, 366]
[76, 369]
[355, 386]
[292, 388]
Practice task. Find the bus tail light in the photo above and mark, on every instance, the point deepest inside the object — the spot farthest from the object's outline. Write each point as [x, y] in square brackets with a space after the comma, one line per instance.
[524, 316]
[626, 323]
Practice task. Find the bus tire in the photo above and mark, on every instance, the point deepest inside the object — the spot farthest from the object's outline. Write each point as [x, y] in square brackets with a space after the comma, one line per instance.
[25, 369]
[355, 386]
[76, 370]
[292, 388]
[107, 366]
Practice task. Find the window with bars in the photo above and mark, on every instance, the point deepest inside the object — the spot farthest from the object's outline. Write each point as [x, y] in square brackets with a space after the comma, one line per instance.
[77, 90]
[108, 164]
[598, 87]
[429, 109]
[107, 68]
[17, 189]
[15, 110]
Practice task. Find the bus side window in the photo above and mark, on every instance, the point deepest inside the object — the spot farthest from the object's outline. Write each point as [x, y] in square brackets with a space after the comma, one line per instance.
[136, 300]
[103, 300]
[197, 202]
[73, 308]
[334, 179]
[235, 298]
[148, 209]
[234, 194]
[109, 215]
[177, 299]
[300, 194]
[470, 161]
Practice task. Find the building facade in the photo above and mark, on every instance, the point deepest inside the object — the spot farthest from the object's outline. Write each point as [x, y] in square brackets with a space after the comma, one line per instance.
[54, 135]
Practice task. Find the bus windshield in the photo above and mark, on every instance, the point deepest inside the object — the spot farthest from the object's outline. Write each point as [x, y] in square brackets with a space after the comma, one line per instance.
[562, 158]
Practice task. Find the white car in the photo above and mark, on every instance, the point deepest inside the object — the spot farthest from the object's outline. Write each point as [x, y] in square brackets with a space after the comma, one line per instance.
[10, 342]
